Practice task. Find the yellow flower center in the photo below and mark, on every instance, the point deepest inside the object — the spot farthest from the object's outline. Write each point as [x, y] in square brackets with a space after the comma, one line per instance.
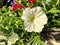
[32, 18]
[14, 41]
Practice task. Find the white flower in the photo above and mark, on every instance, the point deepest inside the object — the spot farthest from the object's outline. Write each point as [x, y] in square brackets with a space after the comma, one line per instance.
[12, 39]
[2, 43]
[34, 19]
[2, 37]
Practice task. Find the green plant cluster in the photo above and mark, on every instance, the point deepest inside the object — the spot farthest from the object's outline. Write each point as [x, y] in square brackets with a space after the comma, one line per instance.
[52, 9]
[11, 22]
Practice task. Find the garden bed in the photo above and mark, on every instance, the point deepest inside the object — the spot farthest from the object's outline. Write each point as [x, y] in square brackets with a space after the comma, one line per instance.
[30, 22]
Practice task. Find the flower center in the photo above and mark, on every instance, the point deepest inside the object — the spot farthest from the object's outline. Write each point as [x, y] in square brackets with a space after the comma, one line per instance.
[32, 18]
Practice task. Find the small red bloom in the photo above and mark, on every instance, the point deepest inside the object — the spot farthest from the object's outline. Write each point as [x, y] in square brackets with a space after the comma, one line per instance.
[20, 6]
[32, 1]
[17, 6]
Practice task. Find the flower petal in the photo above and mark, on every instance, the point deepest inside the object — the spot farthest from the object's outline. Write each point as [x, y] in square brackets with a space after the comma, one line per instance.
[38, 28]
[29, 28]
[33, 11]
[12, 39]
[26, 14]
[42, 19]
[39, 9]
[38, 15]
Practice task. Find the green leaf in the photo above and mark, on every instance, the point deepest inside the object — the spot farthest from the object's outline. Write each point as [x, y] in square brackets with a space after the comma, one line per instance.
[4, 8]
[38, 40]
[55, 2]
[54, 11]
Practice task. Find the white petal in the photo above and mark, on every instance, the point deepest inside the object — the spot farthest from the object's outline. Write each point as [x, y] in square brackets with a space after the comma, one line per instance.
[39, 14]
[38, 27]
[2, 43]
[39, 9]
[33, 11]
[41, 19]
[9, 43]
[2, 37]
[30, 27]
[27, 23]
[26, 14]
[12, 39]
[26, 10]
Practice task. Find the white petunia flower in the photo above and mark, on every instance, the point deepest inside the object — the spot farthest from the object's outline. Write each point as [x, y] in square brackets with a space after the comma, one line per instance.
[34, 19]
[2, 37]
[2, 43]
[12, 39]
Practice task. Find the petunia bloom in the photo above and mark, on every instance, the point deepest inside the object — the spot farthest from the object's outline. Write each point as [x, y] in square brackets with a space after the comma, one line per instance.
[34, 19]
[12, 39]
[15, 7]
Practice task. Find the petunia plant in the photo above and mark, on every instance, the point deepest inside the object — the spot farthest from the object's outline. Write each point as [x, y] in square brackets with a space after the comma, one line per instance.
[23, 21]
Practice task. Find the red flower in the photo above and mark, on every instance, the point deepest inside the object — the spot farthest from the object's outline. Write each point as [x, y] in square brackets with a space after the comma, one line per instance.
[17, 6]
[20, 6]
[32, 1]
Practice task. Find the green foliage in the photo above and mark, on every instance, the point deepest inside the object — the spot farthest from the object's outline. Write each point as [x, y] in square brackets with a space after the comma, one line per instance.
[54, 11]
[55, 2]
[11, 22]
